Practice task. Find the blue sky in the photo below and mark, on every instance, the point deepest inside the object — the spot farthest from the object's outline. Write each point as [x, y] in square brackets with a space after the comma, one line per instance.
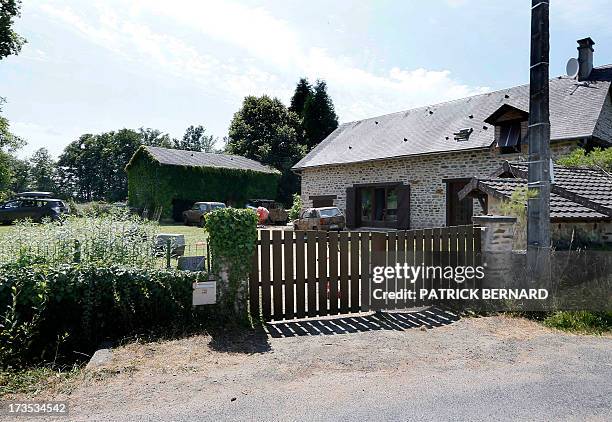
[92, 66]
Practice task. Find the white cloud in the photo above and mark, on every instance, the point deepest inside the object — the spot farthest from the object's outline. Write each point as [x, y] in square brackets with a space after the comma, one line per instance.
[234, 50]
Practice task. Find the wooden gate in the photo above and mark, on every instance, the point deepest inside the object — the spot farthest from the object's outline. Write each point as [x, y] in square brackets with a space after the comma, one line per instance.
[297, 274]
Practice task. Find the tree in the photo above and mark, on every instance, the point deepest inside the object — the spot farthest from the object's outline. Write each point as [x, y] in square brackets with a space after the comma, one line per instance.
[93, 166]
[9, 143]
[195, 139]
[319, 117]
[42, 171]
[265, 130]
[155, 138]
[10, 41]
[303, 91]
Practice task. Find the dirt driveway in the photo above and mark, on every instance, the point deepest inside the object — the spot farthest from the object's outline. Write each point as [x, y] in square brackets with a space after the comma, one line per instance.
[425, 365]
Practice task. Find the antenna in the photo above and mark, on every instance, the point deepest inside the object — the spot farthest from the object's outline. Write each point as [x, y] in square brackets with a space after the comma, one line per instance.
[572, 67]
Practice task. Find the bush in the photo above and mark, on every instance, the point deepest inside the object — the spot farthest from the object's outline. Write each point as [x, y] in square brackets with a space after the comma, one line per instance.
[232, 240]
[580, 321]
[296, 207]
[94, 209]
[47, 313]
[115, 239]
[597, 158]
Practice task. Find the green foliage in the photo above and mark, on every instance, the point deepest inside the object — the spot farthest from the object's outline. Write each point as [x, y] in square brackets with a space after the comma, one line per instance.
[42, 171]
[195, 139]
[294, 212]
[232, 236]
[264, 130]
[319, 117]
[47, 313]
[10, 41]
[152, 185]
[114, 239]
[33, 380]
[597, 158]
[9, 143]
[580, 321]
[303, 90]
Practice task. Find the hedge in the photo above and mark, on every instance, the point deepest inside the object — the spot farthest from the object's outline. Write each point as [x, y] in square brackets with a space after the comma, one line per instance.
[152, 185]
[49, 313]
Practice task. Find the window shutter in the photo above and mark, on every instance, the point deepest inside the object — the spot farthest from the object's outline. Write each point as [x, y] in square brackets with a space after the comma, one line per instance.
[403, 207]
[350, 208]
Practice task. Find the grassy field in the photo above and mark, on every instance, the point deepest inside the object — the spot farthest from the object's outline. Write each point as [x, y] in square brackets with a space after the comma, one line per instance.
[192, 234]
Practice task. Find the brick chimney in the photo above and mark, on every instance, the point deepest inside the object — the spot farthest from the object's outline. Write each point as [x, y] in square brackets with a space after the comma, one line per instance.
[585, 58]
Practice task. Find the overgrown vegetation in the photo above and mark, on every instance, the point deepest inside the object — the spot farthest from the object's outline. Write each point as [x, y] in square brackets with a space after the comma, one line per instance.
[296, 206]
[580, 321]
[152, 185]
[67, 286]
[116, 238]
[232, 238]
[62, 313]
[597, 158]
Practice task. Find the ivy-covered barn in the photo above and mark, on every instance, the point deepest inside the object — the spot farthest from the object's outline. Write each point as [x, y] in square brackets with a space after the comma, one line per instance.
[174, 179]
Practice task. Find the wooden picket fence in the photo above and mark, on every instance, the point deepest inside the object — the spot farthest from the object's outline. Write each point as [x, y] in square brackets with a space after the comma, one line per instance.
[298, 274]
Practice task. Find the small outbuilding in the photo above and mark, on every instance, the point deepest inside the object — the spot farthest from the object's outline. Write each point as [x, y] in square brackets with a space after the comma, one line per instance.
[580, 201]
[171, 180]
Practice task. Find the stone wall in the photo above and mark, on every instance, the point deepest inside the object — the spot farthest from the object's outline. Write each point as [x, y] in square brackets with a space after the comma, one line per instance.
[425, 175]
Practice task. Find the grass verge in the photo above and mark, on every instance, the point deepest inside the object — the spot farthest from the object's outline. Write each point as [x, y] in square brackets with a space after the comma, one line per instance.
[584, 322]
[32, 381]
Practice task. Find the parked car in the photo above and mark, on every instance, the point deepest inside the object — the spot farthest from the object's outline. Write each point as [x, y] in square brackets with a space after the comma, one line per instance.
[195, 215]
[276, 212]
[32, 207]
[325, 218]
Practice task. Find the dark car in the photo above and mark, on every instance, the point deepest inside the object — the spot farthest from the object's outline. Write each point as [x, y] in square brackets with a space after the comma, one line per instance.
[33, 208]
[195, 215]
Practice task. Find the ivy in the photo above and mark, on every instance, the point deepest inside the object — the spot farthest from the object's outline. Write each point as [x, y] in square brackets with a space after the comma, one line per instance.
[232, 236]
[152, 185]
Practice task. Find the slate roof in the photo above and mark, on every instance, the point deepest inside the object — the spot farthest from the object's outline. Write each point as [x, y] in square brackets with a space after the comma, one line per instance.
[178, 157]
[577, 194]
[574, 110]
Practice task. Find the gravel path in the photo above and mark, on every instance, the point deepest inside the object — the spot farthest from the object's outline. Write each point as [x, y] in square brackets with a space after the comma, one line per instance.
[493, 368]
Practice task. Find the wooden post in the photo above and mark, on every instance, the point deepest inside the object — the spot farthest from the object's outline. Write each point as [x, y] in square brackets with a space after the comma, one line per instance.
[168, 252]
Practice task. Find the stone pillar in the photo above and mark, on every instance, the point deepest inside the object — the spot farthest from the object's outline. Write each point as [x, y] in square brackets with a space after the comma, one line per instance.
[497, 238]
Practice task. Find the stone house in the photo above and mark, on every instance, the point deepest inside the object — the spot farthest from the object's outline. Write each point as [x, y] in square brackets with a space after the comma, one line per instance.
[405, 170]
[580, 202]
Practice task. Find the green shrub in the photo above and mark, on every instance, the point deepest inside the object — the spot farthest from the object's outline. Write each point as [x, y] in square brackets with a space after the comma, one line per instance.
[232, 237]
[296, 207]
[57, 313]
[94, 209]
[580, 321]
[597, 158]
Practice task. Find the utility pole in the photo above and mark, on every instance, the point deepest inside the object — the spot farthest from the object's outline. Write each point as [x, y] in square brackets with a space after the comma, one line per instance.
[538, 208]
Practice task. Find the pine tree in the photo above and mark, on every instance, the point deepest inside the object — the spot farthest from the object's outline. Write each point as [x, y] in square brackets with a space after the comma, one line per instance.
[303, 91]
[319, 117]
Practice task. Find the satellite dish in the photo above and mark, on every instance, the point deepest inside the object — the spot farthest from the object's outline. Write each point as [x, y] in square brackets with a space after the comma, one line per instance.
[572, 67]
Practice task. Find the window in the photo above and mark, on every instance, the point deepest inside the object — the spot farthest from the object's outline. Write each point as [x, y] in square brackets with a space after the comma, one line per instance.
[330, 212]
[509, 138]
[12, 204]
[216, 206]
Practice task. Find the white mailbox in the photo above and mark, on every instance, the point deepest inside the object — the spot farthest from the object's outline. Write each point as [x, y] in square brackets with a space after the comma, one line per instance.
[204, 293]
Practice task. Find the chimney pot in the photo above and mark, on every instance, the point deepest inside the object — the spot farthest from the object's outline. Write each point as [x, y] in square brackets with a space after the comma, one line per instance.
[585, 58]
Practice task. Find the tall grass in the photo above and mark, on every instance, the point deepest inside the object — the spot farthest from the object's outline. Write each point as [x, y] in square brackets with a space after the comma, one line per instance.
[117, 238]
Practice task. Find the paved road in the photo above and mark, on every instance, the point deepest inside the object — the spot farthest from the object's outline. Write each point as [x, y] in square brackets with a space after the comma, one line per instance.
[418, 367]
